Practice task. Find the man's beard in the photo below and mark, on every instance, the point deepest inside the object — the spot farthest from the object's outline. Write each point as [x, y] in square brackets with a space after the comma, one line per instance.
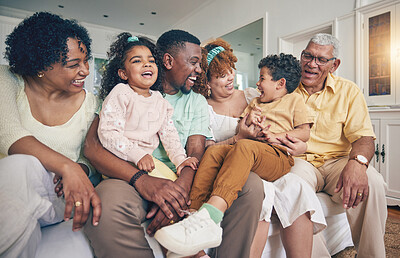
[186, 89]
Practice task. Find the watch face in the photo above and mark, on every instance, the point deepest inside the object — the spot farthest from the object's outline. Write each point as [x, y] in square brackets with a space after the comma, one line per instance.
[362, 158]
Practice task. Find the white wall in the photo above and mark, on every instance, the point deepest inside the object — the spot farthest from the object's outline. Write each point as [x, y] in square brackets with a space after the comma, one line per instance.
[6, 26]
[346, 33]
[248, 64]
[101, 36]
[284, 17]
[256, 72]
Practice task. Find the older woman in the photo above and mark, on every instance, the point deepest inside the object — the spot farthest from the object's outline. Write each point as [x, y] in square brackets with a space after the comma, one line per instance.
[301, 215]
[44, 115]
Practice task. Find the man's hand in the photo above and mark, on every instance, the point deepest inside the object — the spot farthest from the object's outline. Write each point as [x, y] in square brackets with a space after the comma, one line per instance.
[163, 191]
[354, 181]
[160, 220]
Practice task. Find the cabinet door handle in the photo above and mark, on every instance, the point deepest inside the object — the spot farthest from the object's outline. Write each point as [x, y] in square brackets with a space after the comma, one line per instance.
[383, 153]
[377, 153]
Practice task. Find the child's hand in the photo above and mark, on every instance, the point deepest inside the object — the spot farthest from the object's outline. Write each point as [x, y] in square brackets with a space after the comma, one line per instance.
[254, 116]
[146, 163]
[267, 136]
[190, 162]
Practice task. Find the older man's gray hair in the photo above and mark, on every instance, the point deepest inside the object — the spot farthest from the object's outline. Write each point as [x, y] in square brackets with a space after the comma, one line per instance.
[324, 39]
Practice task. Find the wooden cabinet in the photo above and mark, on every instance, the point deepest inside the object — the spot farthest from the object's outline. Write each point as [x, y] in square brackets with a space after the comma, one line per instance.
[387, 150]
[381, 54]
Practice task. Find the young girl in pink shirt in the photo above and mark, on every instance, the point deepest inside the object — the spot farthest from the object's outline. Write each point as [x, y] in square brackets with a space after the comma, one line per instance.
[135, 116]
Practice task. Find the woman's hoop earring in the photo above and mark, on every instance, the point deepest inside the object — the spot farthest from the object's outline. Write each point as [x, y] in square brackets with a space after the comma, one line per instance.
[40, 74]
[209, 93]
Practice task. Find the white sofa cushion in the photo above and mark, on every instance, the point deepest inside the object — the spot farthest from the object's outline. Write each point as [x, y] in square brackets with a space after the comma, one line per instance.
[60, 241]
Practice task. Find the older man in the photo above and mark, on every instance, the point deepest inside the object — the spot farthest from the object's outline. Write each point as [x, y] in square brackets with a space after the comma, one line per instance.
[340, 147]
[124, 206]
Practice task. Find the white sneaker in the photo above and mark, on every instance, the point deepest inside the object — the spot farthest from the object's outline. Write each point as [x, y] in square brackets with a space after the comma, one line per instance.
[191, 235]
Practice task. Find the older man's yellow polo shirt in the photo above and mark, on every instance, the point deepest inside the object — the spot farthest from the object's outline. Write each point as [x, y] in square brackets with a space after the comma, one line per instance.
[340, 118]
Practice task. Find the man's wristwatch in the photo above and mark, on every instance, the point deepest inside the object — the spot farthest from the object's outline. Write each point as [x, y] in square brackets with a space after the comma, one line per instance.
[361, 159]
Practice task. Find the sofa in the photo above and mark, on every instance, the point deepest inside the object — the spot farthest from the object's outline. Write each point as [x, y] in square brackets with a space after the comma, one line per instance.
[60, 241]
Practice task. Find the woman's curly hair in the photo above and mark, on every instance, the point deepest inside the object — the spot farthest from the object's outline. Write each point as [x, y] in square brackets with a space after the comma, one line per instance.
[116, 60]
[283, 66]
[219, 65]
[40, 41]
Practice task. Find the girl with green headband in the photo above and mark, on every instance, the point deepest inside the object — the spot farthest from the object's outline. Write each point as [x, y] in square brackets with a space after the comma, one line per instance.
[135, 116]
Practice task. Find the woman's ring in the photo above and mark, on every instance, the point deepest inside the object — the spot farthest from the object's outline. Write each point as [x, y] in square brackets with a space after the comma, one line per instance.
[171, 222]
[359, 194]
[78, 203]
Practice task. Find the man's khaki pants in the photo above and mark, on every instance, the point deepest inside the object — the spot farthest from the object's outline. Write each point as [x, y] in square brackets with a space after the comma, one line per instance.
[367, 221]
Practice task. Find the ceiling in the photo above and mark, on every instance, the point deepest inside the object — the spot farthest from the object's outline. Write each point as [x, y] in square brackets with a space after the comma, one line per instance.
[151, 17]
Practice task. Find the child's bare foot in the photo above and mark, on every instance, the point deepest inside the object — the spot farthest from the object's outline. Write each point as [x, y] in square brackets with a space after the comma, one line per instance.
[200, 254]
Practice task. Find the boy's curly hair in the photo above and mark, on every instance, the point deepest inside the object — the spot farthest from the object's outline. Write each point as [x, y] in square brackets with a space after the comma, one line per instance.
[221, 63]
[40, 41]
[283, 66]
[116, 58]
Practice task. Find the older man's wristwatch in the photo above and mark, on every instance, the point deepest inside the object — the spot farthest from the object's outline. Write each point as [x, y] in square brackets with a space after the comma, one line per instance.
[361, 159]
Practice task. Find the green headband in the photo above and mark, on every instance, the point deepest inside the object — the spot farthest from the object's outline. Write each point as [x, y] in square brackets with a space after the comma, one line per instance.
[213, 52]
[133, 39]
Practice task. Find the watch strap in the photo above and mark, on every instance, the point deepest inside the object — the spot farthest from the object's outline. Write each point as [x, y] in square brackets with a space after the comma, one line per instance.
[359, 161]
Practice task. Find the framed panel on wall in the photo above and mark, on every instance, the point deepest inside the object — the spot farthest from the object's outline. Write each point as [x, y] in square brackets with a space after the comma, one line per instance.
[99, 65]
[96, 67]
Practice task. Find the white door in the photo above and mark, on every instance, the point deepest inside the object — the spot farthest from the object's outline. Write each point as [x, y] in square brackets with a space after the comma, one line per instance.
[375, 159]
